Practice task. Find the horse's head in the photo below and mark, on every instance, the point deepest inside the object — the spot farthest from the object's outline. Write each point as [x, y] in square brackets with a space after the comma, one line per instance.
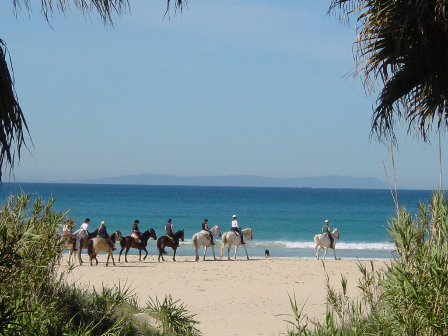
[249, 233]
[217, 230]
[152, 234]
[180, 234]
[118, 235]
[335, 233]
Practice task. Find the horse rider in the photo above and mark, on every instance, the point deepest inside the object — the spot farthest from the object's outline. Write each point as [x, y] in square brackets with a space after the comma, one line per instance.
[326, 231]
[169, 228]
[205, 228]
[85, 226]
[67, 232]
[136, 234]
[235, 228]
[102, 233]
[82, 232]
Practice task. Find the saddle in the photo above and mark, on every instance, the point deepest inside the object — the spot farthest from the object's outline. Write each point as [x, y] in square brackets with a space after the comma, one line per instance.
[172, 239]
[136, 237]
[206, 234]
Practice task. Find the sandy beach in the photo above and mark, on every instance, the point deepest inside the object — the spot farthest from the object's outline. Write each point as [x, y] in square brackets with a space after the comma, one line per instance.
[239, 298]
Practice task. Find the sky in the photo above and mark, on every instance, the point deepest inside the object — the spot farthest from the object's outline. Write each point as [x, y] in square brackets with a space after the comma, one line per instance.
[230, 87]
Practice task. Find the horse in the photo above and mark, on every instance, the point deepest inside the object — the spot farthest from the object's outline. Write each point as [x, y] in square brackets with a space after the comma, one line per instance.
[323, 241]
[84, 240]
[165, 241]
[200, 239]
[230, 238]
[128, 242]
[96, 245]
[79, 243]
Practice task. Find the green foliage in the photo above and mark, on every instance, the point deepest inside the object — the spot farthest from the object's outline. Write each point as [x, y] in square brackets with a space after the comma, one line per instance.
[402, 45]
[410, 295]
[175, 317]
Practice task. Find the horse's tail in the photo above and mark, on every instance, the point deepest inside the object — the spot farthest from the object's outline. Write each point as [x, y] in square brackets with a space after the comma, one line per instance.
[159, 246]
[90, 249]
[223, 243]
[195, 242]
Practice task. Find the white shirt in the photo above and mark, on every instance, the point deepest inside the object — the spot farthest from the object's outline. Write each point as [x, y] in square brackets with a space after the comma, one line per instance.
[235, 223]
[84, 226]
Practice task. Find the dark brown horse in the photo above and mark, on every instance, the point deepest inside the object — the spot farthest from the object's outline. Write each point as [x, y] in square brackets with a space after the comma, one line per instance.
[165, 241]
[128, 242]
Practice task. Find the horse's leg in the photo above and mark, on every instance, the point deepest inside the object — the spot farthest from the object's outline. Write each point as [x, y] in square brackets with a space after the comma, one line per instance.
[174, 255]
[140, 255]
[334, 251]
[205, 252]
[111, 254]
[236, 250]
[213, 250]
[119, 255]
[79, 253]
[144, 249]
[160, 253]
[126, 254]
[196, 252]
[326, 250]
[228, 251]
[317, 249]
[244, 245]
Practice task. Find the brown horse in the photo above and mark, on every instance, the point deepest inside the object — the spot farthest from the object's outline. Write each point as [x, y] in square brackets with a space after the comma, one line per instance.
[128, 242]
[96, 245]
[165, 241]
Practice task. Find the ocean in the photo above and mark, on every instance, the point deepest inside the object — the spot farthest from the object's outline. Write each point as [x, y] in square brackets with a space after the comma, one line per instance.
[284, 220]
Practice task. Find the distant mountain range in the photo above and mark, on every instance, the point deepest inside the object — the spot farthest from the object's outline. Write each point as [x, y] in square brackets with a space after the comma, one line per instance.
[247, 181]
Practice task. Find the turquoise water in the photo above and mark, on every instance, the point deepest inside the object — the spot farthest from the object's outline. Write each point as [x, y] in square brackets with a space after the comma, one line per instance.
[284, 220]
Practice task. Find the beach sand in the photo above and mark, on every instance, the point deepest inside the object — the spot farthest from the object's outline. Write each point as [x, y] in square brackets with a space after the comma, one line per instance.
[239, 298]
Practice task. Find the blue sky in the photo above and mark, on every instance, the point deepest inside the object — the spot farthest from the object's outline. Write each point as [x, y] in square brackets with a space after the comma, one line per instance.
[225, 88]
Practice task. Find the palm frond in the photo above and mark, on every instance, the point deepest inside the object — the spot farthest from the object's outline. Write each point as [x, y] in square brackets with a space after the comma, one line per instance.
[12, 121]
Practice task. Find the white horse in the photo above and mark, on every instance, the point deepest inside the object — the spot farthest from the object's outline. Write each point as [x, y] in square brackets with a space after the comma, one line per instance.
[230, 238]
[201, 239]
[323, 241]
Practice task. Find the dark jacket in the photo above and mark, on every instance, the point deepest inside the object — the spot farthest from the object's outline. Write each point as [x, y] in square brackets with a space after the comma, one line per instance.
[102, 233]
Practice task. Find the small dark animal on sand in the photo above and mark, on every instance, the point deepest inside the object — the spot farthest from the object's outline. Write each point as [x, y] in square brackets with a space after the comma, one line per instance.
[266, 253]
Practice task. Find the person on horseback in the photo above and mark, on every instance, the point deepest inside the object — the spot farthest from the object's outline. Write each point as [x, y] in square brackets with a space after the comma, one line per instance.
[82, 232]
[326, 231]
[205, 228]
[67, 230]
[136, 234]
[235, 228]
[102, 233]
[169, 228]
[85, 226]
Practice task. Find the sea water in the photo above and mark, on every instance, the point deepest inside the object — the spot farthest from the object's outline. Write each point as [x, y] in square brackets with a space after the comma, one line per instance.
[284, 220]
